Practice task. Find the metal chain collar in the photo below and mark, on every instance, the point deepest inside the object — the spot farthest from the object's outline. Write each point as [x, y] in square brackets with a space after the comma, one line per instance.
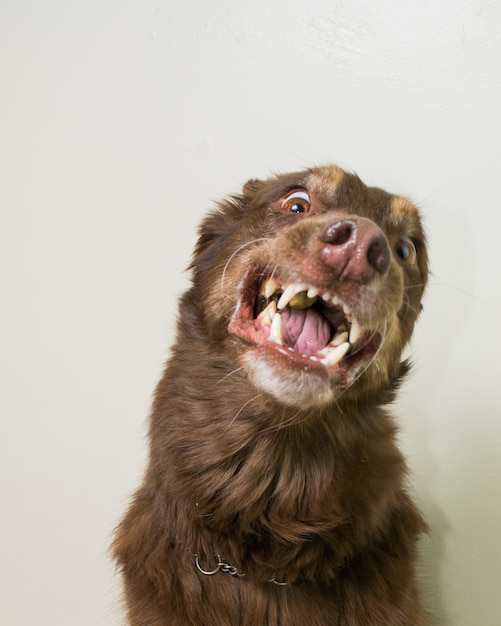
[226, 568]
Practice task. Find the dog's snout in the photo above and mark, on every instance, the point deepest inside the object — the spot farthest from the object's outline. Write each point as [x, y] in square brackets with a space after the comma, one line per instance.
[355, 249]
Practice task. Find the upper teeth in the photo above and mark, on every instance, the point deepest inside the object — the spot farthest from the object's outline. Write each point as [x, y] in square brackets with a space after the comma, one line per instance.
[299, 295]
[289, 292]
[269, 287]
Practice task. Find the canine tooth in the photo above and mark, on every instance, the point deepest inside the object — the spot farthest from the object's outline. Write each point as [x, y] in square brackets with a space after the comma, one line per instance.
[269, 286]
[340, 338]
[356, 332]
[289, 292]
[269, 313]
[276, 329]
[335, 355]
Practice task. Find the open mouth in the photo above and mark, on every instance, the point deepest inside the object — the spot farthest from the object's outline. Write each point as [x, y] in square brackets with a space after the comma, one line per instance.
[306, 324]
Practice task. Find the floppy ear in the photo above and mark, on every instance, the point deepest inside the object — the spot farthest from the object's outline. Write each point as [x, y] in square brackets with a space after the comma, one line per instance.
[218, 226]
[215, 230]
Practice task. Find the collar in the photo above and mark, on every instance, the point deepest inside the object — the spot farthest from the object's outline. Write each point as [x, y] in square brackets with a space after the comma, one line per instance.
[226, 568]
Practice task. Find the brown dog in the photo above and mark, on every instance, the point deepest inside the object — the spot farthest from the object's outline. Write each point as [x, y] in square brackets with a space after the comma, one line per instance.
[275, 493]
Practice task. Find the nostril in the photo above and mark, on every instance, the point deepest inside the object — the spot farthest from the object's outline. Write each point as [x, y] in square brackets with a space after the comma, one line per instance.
[338, 233]
[378, 254]
[354, 248]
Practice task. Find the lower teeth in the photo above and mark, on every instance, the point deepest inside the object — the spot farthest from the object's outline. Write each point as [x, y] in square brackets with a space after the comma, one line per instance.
[334, 355]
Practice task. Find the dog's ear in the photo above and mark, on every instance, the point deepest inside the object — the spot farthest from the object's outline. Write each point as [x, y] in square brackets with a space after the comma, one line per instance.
[252, 186]
[220, 223]
[215, 230]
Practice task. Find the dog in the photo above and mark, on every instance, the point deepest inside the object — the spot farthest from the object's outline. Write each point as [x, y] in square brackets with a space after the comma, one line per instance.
[275, 493]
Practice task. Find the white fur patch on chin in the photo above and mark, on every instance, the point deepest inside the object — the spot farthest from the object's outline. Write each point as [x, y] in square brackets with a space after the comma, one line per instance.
[295, 388]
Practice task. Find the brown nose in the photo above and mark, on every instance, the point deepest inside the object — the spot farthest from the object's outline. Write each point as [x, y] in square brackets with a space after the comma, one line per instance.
[355, 248]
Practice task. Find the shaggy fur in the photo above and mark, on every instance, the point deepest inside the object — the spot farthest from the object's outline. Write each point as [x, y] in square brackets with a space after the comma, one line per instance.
[273, 462]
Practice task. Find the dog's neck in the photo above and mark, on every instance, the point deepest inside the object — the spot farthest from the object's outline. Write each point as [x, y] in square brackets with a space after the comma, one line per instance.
[249, 527]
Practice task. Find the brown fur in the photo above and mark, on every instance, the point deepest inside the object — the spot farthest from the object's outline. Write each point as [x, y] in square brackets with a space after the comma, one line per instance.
[289, 473]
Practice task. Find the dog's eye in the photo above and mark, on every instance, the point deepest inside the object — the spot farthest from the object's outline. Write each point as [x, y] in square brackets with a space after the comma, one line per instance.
[406, 250]
[297, 202]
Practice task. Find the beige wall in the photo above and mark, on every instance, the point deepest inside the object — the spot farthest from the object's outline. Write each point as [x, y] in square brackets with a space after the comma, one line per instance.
[120, 122]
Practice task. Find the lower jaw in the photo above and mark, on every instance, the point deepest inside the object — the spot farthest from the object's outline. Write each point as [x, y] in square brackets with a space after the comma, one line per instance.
[294, 358]
[293, 380]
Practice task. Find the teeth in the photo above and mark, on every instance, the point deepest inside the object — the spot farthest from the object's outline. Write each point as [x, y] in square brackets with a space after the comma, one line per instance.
[289, 292]
[268, 314]
[331, 299]
[344, 327]
[276, 330]
[338, 339]
[333, 356]
[301, 301]
[302, 296]
[327, 297]
[356, 332]
[269, 286]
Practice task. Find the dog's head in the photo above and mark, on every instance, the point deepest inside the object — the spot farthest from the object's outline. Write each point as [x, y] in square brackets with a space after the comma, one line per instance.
[313, 282]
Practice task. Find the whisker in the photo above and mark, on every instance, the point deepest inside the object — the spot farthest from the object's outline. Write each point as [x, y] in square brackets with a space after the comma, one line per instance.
[237, 251]
[385, 334]
[465, 292]
[415, 286]
[234, 371]
[409, 305]
[251, 399]
[283, 424]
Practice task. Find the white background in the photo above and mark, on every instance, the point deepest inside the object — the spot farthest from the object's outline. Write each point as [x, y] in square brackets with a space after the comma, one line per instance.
[120, 122]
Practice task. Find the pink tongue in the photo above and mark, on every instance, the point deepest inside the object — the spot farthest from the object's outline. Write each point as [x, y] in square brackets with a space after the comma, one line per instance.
[305, 330]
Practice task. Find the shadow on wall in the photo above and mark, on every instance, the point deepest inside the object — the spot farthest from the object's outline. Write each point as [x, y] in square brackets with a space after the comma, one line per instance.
[432, 403]
[432, 555]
